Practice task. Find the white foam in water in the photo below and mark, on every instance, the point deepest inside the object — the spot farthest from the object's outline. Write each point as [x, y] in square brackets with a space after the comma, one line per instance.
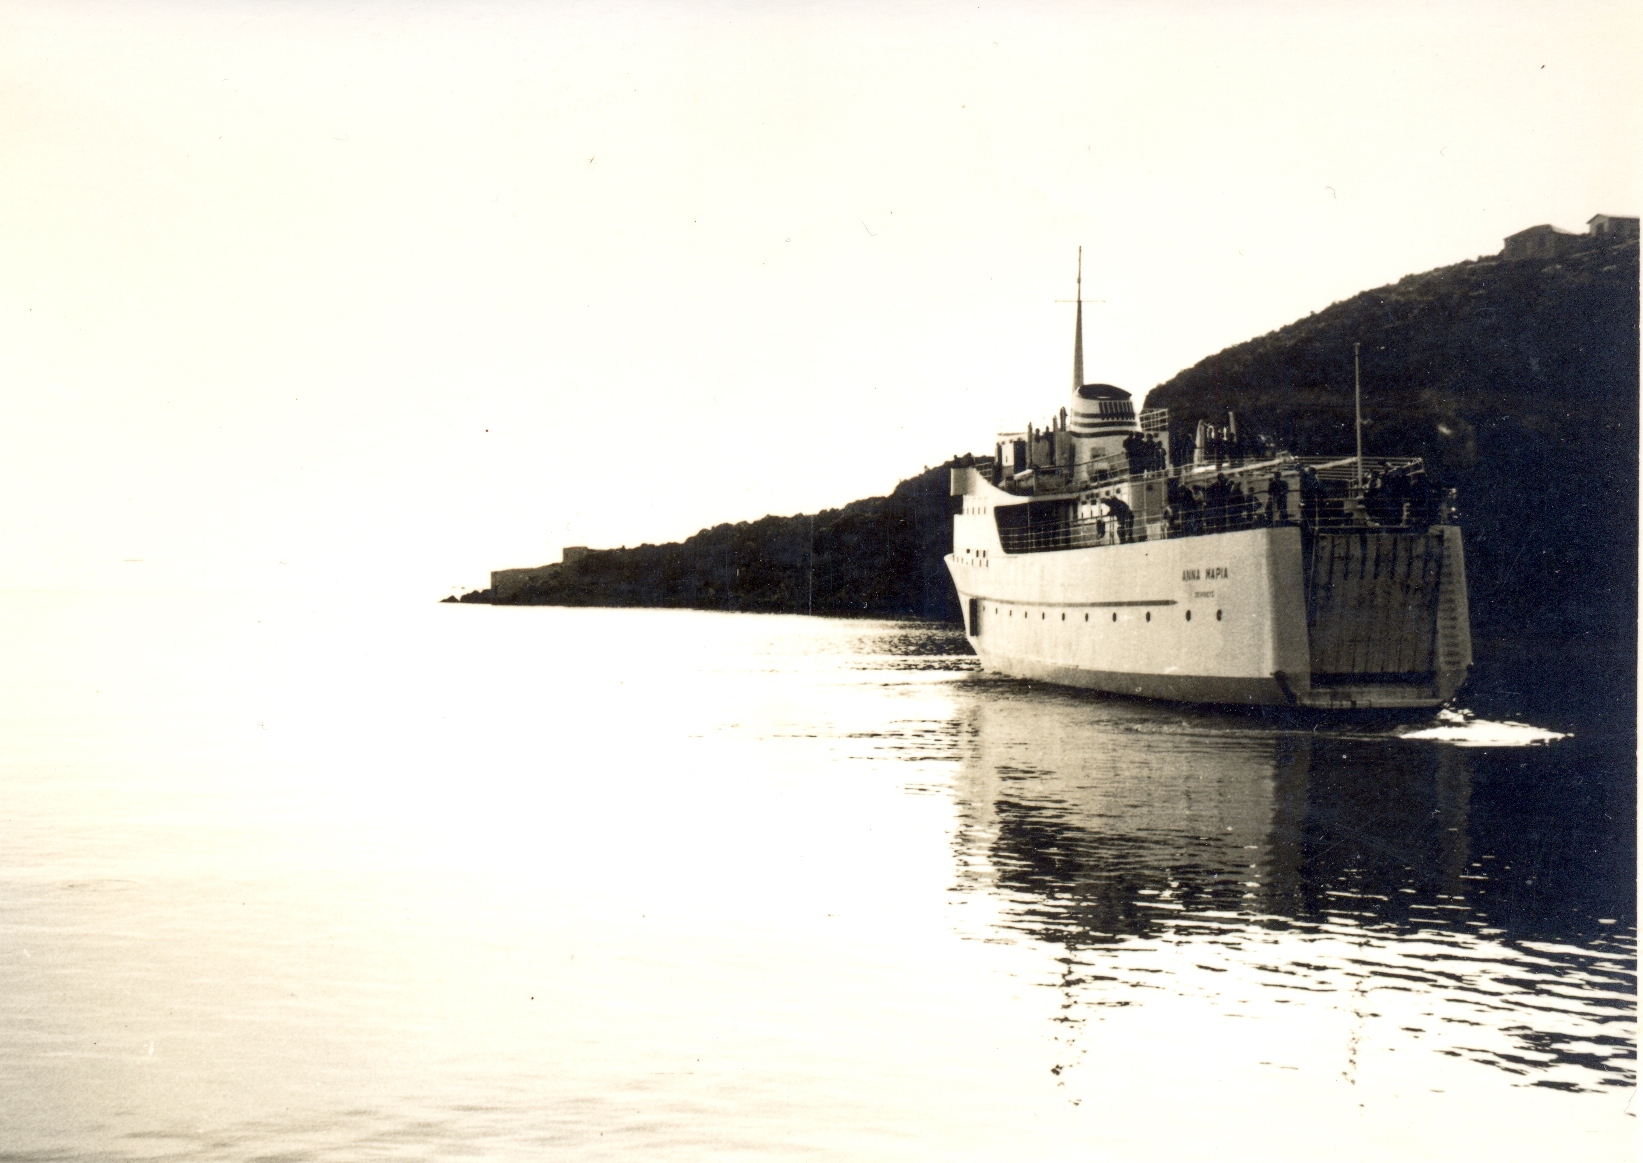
[1463, 730]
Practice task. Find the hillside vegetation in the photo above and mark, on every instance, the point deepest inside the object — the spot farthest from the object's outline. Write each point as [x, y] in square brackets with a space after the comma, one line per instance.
[880, 556]
[1516, 380]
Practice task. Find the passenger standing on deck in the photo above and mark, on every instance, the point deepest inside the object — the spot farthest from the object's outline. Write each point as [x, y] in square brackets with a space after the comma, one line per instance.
[1399, 494]
[1422, 510]
[1134, 455]
[1370, 500]
[1175, 511]
[1180, 505]
[1277, 500]
[1123, 518]
[1309, 496]
[1235, 505]
[1216, 495]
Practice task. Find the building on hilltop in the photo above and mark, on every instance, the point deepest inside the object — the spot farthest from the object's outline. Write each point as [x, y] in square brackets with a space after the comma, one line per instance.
[1612, 225]
[1547, 241]
[1543, 241]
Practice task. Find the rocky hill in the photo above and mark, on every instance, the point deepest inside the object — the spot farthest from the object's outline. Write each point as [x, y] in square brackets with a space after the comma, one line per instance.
[880, 556]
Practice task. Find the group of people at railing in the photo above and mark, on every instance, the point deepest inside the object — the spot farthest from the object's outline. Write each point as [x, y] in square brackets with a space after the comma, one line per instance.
[1399, 499]
[1387, 500]
[1224, 505]
[1145, 453]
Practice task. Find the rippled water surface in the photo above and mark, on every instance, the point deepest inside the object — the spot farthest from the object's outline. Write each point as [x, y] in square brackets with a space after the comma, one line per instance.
[288, 880]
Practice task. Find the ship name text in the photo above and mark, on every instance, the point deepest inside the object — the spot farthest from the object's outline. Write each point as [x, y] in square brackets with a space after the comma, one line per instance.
[1208, 573]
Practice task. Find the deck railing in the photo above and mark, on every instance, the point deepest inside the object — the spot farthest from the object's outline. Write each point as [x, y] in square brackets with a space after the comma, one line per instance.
[1325, 515]
[1109, 470]
[1326, 495]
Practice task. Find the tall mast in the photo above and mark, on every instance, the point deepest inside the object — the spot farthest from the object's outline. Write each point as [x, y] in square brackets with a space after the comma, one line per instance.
[1078, 328]
[1357, 407]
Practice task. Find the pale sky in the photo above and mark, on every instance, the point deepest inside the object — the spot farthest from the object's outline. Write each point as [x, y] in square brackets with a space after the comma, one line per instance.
[329, 295]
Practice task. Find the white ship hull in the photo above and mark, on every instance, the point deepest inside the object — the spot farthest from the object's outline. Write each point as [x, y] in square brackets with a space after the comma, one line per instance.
[1228, 618]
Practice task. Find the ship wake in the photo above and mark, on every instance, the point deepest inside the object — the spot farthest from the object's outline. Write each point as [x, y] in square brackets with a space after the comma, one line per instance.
[1464, 729]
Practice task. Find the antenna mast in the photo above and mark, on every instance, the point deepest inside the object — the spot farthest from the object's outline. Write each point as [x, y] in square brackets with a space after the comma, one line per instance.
[1357, 406]
[1078, 328]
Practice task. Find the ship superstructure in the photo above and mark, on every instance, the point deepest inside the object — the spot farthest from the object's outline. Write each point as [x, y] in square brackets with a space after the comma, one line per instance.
[1083, 555]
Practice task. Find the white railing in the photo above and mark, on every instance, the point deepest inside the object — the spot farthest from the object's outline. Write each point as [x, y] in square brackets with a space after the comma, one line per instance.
[1088, 533]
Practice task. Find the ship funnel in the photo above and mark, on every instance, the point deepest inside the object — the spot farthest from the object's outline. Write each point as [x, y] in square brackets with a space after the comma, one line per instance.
[1100, 411]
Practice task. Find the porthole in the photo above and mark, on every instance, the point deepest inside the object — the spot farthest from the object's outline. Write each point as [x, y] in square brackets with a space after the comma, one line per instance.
[1115, 615]
[1217, 615]
[1063, 617]
[1042, 615]
[1189, 615]
[1086, 617]
[1149, 615]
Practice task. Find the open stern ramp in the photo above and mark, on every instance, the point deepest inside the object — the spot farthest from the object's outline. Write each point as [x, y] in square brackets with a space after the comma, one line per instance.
[1386, 617]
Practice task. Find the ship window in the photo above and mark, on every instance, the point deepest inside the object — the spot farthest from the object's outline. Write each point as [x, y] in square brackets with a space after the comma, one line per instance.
[1217, 615]
[1041, 615]
[1149, 615]
[1086, 617]
[1115, 615]
[1063, 617]
[1189, 615]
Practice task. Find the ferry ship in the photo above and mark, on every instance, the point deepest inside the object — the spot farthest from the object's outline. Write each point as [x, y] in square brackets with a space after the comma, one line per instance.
[1085, 556]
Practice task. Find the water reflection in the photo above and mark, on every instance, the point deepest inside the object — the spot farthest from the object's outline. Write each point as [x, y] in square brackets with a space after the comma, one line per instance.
[1482, 897]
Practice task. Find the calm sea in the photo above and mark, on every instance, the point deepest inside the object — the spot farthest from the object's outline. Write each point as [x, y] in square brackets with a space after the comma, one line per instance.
[288, 880]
